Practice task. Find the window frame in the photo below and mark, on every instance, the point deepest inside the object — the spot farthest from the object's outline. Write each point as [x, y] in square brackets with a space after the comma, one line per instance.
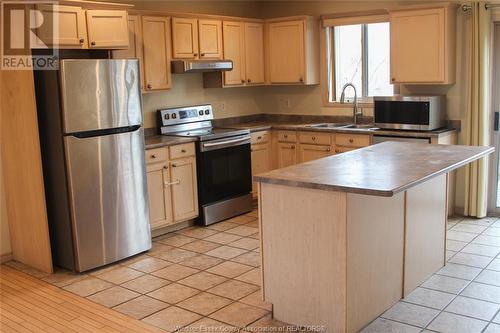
[328, 56]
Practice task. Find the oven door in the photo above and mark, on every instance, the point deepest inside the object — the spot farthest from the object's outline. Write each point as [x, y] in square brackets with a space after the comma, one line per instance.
[224, 171]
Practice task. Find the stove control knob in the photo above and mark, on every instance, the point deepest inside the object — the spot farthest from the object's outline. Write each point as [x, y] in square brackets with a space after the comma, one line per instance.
[200, 112]
[207, 111]
[174, 116]
[166, 116]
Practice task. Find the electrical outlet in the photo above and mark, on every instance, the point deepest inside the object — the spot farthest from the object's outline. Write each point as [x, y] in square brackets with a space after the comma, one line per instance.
[222, 106]
[288, 103]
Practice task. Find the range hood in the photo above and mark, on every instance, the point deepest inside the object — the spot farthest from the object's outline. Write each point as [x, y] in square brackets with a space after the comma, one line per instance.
[201, 66]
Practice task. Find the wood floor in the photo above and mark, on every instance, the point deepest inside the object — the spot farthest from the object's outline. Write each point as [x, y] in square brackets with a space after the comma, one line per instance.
[31, 305]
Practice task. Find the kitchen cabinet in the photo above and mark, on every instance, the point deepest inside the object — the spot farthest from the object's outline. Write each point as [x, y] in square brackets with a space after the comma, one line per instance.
[254, 53]
[72, 32]
[172, 185]
[287, 154]
[184, 38]
[135, 44]
[210, 39]
[107, 29]
[184, 189]
[260, 155]
[234, 49]
[293, 51]
[423, 45]
[156, 44]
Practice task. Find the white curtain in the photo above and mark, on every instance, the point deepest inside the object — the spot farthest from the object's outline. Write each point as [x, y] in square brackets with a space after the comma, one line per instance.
[476, 129]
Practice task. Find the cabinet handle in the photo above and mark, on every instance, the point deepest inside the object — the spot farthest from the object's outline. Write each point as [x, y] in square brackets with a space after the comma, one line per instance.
[153, 156]
[149, 86]
[301, 80]
[183, 150]
[337, 151]
[92, 43]
[249, 80]
[242, 81]
[203, 54]
[328, 149]
[314, 138]
[165, 167]
[293, 147]
[82, 40]
[351, 140]
[259, 138]
[174, 165]
[393, 79]
[195, 54]
[285, 136]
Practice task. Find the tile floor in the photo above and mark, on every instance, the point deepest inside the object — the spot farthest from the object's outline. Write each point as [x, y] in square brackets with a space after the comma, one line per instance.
[198, 278]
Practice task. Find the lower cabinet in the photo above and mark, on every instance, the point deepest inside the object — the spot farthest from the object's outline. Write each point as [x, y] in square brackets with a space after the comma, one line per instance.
[287, 154]
[261, 162]
[313, 152]
[172, 186]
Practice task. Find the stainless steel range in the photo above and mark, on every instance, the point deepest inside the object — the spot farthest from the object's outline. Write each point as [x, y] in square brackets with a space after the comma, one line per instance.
[222, 160]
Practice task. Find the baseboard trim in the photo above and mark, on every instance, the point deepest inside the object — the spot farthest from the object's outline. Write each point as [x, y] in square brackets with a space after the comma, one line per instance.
[6, 257]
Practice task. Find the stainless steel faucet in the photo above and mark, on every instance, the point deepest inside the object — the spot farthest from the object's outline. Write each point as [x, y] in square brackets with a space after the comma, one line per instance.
[355, 112]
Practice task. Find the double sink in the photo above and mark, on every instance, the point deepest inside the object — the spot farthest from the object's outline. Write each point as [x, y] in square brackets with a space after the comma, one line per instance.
[345, 126]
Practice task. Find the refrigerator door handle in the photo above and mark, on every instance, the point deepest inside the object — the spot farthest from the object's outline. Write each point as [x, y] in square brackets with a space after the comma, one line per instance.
[103, 132]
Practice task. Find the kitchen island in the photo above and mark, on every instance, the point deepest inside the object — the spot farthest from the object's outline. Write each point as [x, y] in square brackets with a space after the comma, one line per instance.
[345, 237]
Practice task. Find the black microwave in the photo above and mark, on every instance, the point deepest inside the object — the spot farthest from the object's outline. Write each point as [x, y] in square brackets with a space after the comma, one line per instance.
[421, 113]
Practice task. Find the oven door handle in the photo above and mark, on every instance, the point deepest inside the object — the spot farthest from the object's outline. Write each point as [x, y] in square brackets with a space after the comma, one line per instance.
[213, 145]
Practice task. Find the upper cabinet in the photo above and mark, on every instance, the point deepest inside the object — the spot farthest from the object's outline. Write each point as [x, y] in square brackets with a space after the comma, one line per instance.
[234, 49]
[196, 39]
[72, 32]
[423, 46]
[107, 29]
[135, 44]
[82, 29]
[210, 39]
[293, 51]
[254, 53]
[156, 44]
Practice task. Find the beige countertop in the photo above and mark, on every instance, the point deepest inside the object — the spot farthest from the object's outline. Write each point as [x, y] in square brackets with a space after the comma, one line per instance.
[383, 169]
[157, 141]
[263, 125]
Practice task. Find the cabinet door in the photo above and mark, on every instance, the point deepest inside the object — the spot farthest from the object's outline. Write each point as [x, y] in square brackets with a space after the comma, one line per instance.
[418, 46]
[313, 152]
[184, 189]
[160, 205]
[107, 29]
[286, 52]
[156, 40]
[72, 32]
[234, 49]
[260, 162]
[287, 154]
[254, 53]
[135, 44]
[184, 38]
[210, 39]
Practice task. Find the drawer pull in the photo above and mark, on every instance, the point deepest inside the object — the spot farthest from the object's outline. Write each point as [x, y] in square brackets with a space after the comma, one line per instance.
[313, 138]
[328, 149]
[174, 165]
[165, 167]
[149, 86]
[153, 156]
[259, 138]
[82, 40]
[285, 136]
[351, 140]
[242, 81]
[293, 147]
[183, 150]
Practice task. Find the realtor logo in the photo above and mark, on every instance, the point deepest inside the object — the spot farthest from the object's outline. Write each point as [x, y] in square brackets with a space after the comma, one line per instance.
[23, 34]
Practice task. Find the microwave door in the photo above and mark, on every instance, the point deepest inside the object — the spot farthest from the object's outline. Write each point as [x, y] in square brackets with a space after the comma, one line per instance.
[99, 94]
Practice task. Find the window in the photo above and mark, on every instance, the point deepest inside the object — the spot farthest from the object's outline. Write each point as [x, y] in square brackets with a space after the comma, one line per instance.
[359, 54]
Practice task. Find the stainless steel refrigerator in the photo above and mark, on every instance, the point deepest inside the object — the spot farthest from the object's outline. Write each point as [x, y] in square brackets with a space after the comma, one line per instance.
[90, 122]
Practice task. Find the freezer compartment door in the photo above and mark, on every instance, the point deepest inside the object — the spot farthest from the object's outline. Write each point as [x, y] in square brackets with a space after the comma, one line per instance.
[108, 197]
[99, 94]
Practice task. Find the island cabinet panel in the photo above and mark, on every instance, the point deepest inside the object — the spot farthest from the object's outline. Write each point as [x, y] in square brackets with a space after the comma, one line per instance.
[72, 32]
[184, 38]
[315, 273]
[156, 39]
[184, 189]
[375, 246]
[422, 46]
[107, 29]
[254, 53]
[313, 152]
[135, 45]
[287, 154]
[425, 231]
[210, 39]
[234, 49]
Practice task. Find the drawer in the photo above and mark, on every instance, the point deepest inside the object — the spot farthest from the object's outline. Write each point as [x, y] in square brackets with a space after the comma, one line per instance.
[352, 140]
[340, 150]
[315, 138]
[156, 155]
[180, 151]
[259, 137]
[287, 136]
